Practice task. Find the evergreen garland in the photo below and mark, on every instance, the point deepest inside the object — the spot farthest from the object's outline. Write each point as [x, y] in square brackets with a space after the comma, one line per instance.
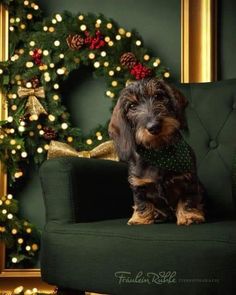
[43, 51]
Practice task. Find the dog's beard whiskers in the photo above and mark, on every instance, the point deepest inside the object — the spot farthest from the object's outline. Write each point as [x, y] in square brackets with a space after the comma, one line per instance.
[169, 126]
[143, 137]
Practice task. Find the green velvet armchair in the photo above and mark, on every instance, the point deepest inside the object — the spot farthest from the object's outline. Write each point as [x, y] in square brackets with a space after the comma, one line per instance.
[88, 246]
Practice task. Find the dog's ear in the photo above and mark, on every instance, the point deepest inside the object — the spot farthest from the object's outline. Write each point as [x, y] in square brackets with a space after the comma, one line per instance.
[181, 104]
[180, 98]
[120, 131]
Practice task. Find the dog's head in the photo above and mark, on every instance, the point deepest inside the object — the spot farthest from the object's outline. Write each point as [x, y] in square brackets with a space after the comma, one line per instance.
[149, 113]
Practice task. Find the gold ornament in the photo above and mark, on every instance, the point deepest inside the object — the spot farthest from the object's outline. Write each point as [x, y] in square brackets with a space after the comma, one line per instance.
[33, 106]
[105, 150]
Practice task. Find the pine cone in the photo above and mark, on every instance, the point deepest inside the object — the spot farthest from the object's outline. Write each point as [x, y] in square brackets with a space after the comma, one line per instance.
[35, 82]
[128, 60]
[49, 133]
[75, 42]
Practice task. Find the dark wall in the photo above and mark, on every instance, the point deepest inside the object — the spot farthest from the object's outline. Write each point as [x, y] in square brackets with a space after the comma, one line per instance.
[226, 39]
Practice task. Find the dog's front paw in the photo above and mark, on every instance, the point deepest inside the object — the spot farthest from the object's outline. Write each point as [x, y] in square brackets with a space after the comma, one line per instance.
[142, 217]
[137, 220]
[190, 216]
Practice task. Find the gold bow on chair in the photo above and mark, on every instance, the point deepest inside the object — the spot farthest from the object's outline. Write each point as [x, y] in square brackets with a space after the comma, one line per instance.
[106, 150]
[33, 106]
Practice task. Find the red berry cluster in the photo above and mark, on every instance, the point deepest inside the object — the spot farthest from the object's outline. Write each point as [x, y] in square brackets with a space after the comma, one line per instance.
[94, 42]
[37, 56]
[140, 71]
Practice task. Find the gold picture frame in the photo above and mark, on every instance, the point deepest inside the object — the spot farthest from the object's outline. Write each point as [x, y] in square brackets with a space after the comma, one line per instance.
[198, 41]
[198, 64]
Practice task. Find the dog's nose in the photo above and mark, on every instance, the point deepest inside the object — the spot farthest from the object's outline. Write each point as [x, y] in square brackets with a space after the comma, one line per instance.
[153, 128]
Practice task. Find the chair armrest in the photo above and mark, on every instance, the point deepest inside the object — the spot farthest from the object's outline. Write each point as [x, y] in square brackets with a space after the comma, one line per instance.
[82, 190]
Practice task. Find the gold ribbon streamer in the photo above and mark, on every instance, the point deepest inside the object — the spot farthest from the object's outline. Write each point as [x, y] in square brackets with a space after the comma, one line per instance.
[33, 106]
[105, 150]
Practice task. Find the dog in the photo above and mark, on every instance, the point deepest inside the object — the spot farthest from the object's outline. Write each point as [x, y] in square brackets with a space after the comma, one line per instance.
[146, 126]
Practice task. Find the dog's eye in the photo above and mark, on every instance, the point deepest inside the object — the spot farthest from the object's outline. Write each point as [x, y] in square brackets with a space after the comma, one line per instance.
[132, 106]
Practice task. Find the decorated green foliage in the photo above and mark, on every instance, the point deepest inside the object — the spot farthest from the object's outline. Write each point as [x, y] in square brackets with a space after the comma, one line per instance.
[43, 51]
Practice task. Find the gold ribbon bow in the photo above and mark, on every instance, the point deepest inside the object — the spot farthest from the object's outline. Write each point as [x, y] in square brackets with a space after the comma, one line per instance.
[33, 106]
[106, 150]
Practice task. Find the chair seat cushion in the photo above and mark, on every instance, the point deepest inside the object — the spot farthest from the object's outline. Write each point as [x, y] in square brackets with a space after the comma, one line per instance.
[150, 259]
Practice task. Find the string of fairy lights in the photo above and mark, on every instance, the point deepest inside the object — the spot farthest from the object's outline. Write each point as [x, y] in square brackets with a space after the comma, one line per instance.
[44, 51]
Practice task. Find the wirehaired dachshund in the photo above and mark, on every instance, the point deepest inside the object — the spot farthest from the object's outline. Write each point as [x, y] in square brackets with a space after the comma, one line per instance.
[146, 128]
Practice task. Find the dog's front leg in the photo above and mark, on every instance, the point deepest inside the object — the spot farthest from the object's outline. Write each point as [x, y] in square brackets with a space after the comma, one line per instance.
[144, 209]
[190, 208]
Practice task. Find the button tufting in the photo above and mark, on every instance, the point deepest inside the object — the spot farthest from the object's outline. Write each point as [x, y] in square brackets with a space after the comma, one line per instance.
[213, 144]
[234, 106]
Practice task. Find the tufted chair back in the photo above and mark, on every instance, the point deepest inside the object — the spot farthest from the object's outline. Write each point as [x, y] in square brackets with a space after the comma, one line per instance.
[211, 115]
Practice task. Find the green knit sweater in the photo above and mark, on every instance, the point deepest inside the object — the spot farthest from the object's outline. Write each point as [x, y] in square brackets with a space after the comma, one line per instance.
[177, 157]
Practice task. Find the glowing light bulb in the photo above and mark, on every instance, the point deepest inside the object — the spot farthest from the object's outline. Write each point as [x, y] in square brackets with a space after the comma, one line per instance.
[91, 55]
[97, 64]
[103, 53]
[51, 118]
[24, 155]
[83, 27]
[9, 196]
[10, 119]
[146, 57]
[45, 52]
[64, 126]
[166, 74]
[39, 150]
[57, 43]
[89, 141]
[14, 260]
[58, 17]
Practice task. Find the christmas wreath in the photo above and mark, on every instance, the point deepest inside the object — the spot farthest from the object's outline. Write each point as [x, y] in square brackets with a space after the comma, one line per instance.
[43, 51]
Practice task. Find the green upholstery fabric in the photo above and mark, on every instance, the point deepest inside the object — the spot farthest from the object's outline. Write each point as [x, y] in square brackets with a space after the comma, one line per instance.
[89, 255]
[66, 180]
[87, 245]
[211, 118]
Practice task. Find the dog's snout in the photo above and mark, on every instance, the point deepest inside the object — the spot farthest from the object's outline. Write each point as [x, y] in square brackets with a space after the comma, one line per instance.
[153, 128]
